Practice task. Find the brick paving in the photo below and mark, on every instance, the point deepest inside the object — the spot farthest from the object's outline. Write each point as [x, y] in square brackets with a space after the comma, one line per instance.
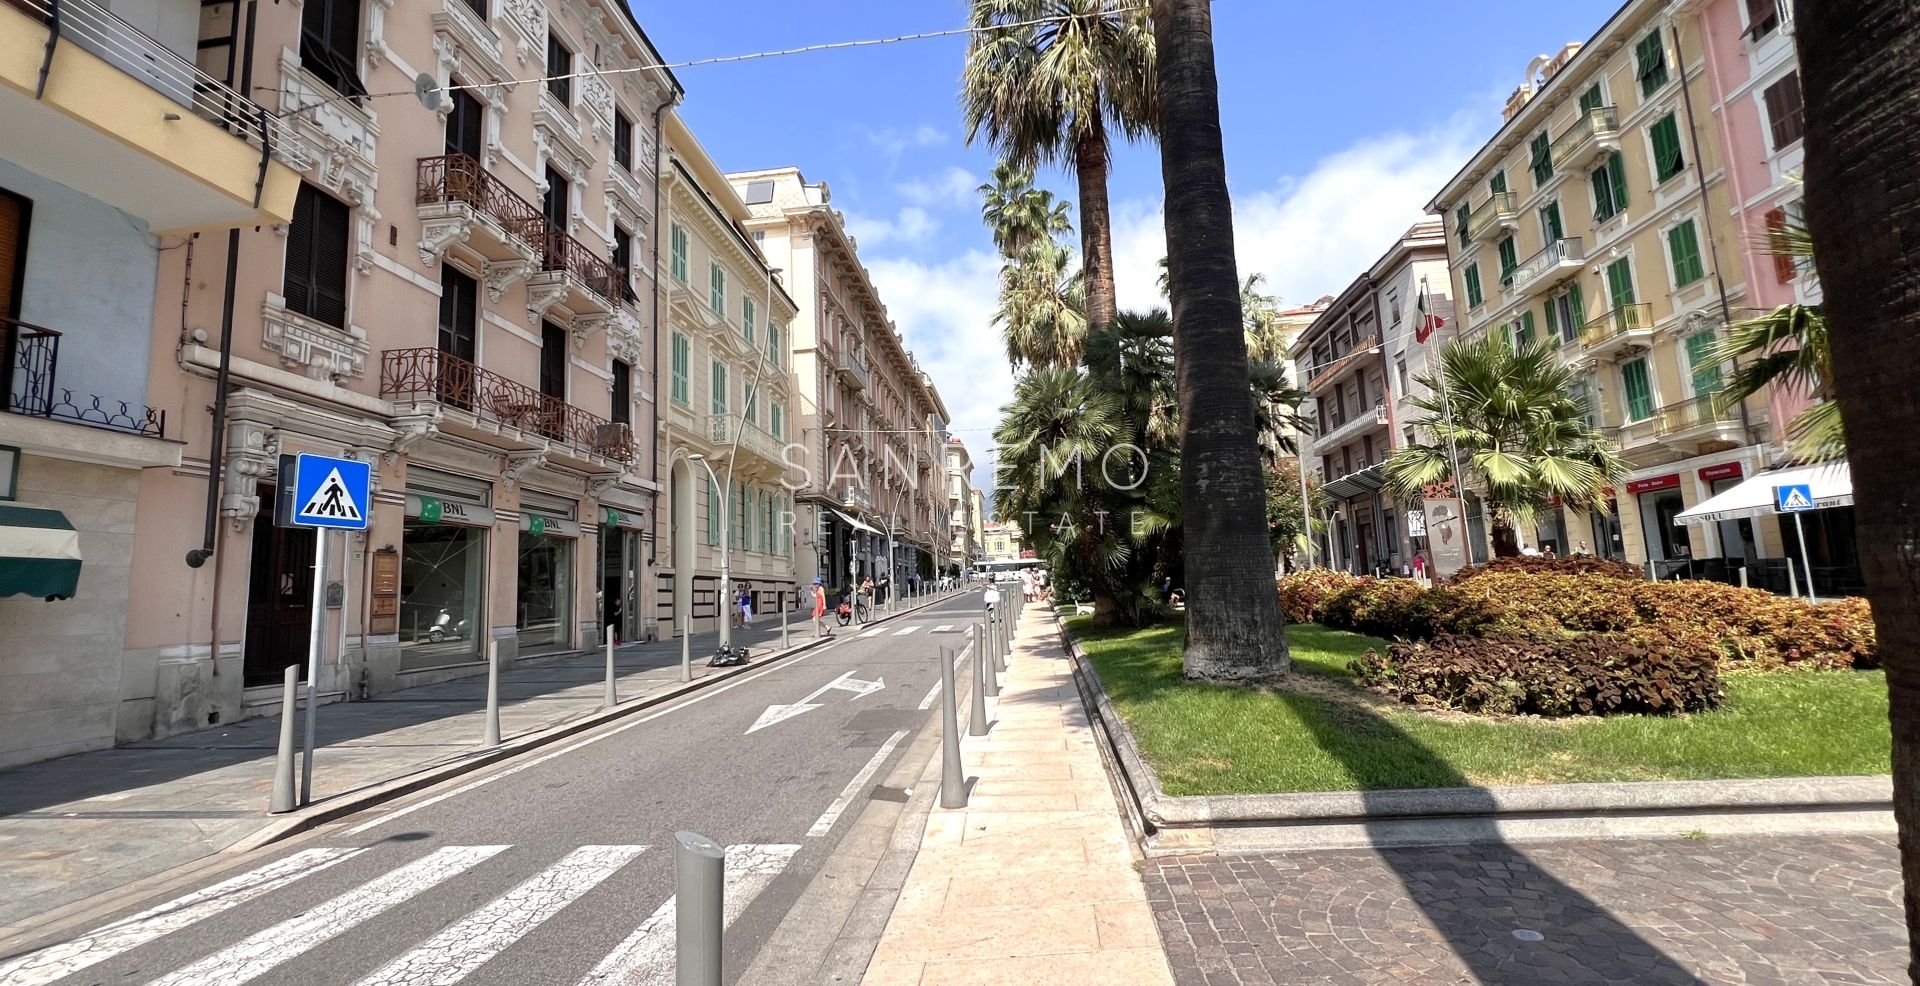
[1746, 911]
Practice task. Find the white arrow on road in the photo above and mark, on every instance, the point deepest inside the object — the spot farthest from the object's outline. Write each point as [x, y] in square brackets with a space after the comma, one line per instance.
[846, 683]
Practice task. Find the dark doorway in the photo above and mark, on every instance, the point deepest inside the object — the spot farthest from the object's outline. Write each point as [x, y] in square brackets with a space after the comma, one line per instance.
[279, 600]
[459, 308]
[464, 125]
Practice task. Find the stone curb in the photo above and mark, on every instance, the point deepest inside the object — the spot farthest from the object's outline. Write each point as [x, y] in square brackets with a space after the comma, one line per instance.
[1186, 824]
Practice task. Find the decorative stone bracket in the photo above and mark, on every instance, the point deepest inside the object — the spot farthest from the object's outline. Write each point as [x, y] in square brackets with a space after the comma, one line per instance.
[544, 290]
[584, 326]
[501, 275]
[252, 458]
[518, 464]
[410, 430]
[438, 235]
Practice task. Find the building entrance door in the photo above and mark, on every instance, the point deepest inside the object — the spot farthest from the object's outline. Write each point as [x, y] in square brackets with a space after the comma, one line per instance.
[279, 600]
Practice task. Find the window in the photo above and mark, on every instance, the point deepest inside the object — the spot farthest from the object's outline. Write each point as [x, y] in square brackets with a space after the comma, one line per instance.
[1474, 297]
[1683, 244]
[1763, 18]
[1651, 58]
[717, 290]
[555, 202]
[1591, 99]
[465, 124]
[1667, 157]
[1786, 114]
[1523, 332]
[1551, 229]
[751, 412]
[553, 360]
[679, 236]
[559, 70]
[719, 387]
[1639, 391]
[1706, 372]
[316, 281]
[1509, 259]
[622, 393]
[777, 420]
[1620, 283]
[1566, 314]
[1784, 269]
[1542, 159]
[1580, 390]
[1460, 226]
[330, 44]
[1498, 183]
[680, 359]
[1609, 188]
[478, 7]
[622, 140]
[622, 253]
[746, 318]
[759, 193]
[774, 351]
[459, 305]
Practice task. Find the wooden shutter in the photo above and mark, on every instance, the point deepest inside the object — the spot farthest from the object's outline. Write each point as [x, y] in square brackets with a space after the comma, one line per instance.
[13, 251]
[1785, 111]
[1784, 269]
[464, 125]
[331, 229]
[622, 140]
[1617, 171]
[622, 393]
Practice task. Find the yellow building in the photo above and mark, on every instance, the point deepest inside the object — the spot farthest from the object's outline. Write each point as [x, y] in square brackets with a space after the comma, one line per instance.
[1596, 222]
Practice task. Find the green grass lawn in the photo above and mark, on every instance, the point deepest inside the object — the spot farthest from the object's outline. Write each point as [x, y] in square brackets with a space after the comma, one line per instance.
[1322, 733]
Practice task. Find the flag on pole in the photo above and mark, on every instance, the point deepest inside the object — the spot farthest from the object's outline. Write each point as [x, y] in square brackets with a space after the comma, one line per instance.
[1429, 323]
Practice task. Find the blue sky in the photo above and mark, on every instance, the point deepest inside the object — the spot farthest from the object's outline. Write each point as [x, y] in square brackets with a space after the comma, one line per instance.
[1341, 120]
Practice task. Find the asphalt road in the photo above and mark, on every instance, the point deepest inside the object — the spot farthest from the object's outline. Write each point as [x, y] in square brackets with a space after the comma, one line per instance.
[555, 867]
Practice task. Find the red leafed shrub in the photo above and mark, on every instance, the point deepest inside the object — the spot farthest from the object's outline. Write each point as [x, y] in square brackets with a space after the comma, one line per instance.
[1380, 608]
[1758, 629]
[1595, 674]
[1303, 593]
[1537, 565]
[1530, 603]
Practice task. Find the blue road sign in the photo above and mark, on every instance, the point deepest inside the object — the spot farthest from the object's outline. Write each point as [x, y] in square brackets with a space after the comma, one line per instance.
[322, 491]
[1793, 499]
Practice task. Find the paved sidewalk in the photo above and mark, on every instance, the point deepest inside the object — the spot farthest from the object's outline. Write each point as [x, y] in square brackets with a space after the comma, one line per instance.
[78, 826]
[1035, 880]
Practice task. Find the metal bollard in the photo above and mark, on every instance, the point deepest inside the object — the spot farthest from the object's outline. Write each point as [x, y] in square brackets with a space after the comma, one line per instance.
[612, 697]
[1743, 576]
[686, 650]
[491, 735]
[283, 765]
[953, 786]
[982, 673]
[992, 686]
[1793, 582]
[784, 598]
[999, 646]
[699, 892]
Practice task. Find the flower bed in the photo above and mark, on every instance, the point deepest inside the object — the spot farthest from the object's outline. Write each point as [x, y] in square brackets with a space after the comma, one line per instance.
[1593, 674]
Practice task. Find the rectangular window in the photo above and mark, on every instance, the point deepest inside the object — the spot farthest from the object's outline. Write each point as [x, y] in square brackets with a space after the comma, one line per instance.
[1620, 283]
[622, 393]
[1683, 243]
[1706, 372]
[1509, 259]
[1542, 159]
[746, 318]
[1523, 333]
[316, 280]
[773, 344]
[679, 257]
[717, 290]
[1474, 297]
[1609, 188]
[1650, 57]
[1668, 160]
[1763, 18]
[1460, 226]
[751, 410]
[478, 7]
[622, 140]
[719, 381]
[1551, 229]
[1581, 392]
[681, 353]
[553, 360]
[459, 308]
[777, 420]
[622, 253]
[330, 44]
[557, 202]
[559, 70]
[1565, 315]
[1786, 114]
[1498, 183]
[1591, 99]
[1639, 391]
[466, 120]
[1784, 269]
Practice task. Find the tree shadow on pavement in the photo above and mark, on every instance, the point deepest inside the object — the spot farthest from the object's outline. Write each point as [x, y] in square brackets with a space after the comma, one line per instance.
[1487, 899]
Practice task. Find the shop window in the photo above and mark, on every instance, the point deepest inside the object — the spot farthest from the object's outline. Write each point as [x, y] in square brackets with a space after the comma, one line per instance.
[442, 573]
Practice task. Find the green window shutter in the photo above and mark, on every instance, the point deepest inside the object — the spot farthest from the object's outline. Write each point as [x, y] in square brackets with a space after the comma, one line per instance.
[1460, 224]
[1706, 372]
[746, 318]
[1509, 259]
[713, 513]
[1617, 171]
[718, 290]
[1620, 283]
[1651, 57]
[1524, 338]
[679, 254]
[1684, 243]
[1550, 220]
[1602, 194]
[773, 344]
[1667, 157]
[1638, 389]
[719, 381]
[778, 421]
[1498, 183]
[751, 410]
[1591, 99]
[1541, 149]
[1578, 304]
[680, 354]
[1474, 297]
[1552, 321]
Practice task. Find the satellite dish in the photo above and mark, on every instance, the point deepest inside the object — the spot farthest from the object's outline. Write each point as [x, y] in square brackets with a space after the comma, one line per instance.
[427, 90]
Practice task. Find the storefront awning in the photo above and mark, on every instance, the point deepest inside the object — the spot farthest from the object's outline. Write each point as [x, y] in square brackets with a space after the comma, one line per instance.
[1832, 484]
[1366, 482]
[39, 553]
[856, 524]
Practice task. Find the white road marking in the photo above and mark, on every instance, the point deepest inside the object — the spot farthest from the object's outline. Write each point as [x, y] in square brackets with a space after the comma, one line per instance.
[468, 943]
[876, 631]
[62, 960]
[903, 631]
[645, 958]
[934, 692]
[589, 741]
[260, 953]
[854, 787]
[846, 682]
[942, 628]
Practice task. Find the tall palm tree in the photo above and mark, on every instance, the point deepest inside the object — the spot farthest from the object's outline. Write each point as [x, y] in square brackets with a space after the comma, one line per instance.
[1042, 312]
[1260, 313]
[1522, 441]
[1047, 81]
[1234, 628]
[1860, 69]
[1020, 215]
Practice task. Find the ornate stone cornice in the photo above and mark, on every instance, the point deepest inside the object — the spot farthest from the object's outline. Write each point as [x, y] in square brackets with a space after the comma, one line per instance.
[321, 351]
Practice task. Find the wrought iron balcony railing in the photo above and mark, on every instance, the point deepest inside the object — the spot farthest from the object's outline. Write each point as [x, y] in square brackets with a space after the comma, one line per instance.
[1601, 122]
[1560, 255]
[1496, 213]
[431, 375]
[459, 178]
[1694, 413]
[1617, 325]
[563, 252]
[30, 374]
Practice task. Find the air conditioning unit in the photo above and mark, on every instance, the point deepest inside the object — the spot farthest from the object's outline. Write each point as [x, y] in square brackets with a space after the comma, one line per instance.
[1380, 414]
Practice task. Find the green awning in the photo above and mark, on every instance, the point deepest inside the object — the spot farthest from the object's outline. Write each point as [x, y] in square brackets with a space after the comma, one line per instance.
[39, 553]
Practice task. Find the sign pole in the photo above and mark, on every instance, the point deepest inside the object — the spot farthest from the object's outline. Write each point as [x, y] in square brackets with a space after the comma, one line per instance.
[314, 646]
[1806, 562]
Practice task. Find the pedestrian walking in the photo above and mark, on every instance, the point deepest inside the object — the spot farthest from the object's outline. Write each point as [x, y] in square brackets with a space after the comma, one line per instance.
[746, 604]
[820, 609]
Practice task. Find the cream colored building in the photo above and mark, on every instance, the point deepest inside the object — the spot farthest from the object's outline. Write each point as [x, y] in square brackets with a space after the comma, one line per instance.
[1003, 542]
[965, 547]
[1597, 221]
[727, 398]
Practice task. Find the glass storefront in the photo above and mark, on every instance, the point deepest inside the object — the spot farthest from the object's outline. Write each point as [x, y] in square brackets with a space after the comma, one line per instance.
[442, 570]
[546, 589]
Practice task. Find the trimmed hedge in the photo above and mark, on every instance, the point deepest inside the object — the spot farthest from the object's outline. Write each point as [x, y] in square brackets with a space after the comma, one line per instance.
[1538, 565]
[1595, 674]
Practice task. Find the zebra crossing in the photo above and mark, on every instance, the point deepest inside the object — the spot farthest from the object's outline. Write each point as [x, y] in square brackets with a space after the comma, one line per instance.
[448, 956]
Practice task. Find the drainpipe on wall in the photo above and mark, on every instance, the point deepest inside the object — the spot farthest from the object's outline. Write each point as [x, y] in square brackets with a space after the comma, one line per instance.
[1706, 210]
[659, 227]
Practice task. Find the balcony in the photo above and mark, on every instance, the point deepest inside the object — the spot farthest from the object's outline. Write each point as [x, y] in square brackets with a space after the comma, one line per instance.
[855, 497]
[126, 117]
[852, 370]
[459, 202]
[1497, 212]
[725, 430]
[32, 387]
[487, 404]
[1589, 140]
[1626, 327]
[1351, 429]
[573, 279]
[1554, 263]
[1700, 420]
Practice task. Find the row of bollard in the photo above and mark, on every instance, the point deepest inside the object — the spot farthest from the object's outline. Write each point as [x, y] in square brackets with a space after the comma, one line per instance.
[992, 641]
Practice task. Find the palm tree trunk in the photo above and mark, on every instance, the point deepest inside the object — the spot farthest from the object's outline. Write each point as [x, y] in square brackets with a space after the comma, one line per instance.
[1096, 222]
[1860, 61]
[1234, 627]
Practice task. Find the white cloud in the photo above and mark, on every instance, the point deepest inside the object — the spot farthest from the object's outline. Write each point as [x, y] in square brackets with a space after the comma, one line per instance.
[897, 142]
[1310, 234]
[951, 188]
[911, 225]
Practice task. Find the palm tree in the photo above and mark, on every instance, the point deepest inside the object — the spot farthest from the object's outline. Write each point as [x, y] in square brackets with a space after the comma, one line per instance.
[1787, 347]
[1042, 312]
[1860, 69]
[1020, 215]
[1523, 442]
[1045, 82]
[1234, 628]
[1261, 314]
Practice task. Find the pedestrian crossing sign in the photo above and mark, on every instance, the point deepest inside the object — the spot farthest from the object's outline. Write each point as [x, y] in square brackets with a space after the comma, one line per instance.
[1792, 499]
[323, 491]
